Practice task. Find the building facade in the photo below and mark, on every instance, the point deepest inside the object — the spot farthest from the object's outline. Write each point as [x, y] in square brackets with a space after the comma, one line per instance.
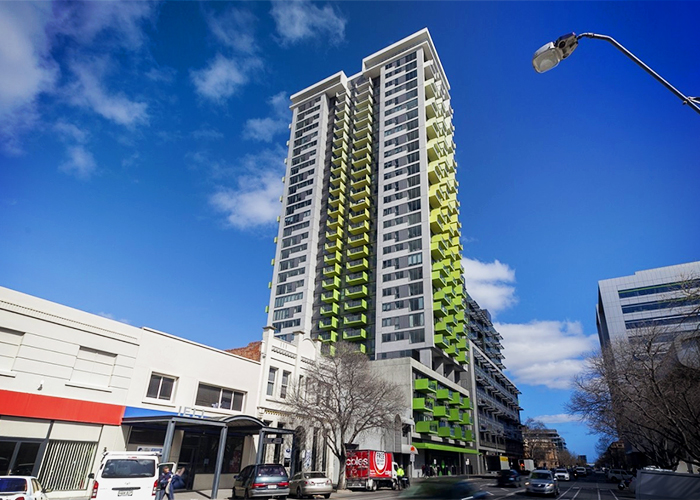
[368, 246]
[497, 415]
[655, 298]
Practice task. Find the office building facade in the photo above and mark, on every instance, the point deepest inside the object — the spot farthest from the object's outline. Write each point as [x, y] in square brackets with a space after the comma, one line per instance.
[368, 246]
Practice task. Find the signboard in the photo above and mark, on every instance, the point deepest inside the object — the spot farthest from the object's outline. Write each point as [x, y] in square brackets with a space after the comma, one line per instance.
[270, 440]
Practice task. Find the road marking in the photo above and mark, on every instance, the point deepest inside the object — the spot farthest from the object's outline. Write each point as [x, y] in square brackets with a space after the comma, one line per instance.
[613, 494]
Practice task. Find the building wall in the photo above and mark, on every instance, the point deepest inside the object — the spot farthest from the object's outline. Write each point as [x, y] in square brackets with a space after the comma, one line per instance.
[67, 378]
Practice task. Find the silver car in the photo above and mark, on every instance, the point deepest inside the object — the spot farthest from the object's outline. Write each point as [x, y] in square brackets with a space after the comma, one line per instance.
[542, 482]
[305, 484]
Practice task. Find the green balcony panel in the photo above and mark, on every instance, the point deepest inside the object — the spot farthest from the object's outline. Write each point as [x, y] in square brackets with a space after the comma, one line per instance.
[360, 278]
[360, 166]
[338, 179]
[461, 343]
[355, 252]
[327, 323]
[334, 245]
[360, 182]
[358, 239]
[356, 292]
[455, 415]
[461, 357]
[355, 305]
[336, 200]
[329, 309]
[467, 435]
[330, 296]
[466, 419]
[423, 404]
[331, 283]
[440, 411]
[333, 270]
[359, 227]
[336, 212]
[444, 394]
[332, 258]
[354, 333]
[357, 194]
[358, 265]
[328, 336]
[426, 427]
[441, 341]
[336, 190]
[458, 432]
[446, 432]
[466, 404]
[355, 319]
[425, 385]
[361, 204]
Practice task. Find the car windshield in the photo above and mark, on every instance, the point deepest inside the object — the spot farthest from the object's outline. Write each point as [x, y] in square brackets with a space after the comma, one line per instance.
[13, 485]
[129, 467]
[541, 475]
[312, 475]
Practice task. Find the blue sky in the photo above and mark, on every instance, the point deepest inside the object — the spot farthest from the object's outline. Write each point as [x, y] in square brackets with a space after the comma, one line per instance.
[142, 146]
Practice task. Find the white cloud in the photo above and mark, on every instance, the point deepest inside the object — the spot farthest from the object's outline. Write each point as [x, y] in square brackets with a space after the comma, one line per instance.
[265, 129]
[255, 200]
[164, 75]
[223, 77]
[80, 163]
[545, 353]
[88, 91]
[207, 134]
[559, 418]
[69, 132]
[489, 284]
[234, 28]
[301, 20]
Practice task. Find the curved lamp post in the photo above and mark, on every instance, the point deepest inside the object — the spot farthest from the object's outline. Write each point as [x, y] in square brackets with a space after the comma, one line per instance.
[550, 55]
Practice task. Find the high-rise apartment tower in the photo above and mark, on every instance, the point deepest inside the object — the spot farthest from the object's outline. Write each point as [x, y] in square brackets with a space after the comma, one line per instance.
[368, 248]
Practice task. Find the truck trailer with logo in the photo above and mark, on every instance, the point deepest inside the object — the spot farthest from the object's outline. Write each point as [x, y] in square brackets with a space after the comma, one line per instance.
[370, 469]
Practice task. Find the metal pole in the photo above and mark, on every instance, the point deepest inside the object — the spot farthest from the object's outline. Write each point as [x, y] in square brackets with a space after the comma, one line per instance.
[219, 462]
[167, 445]
[686, 100]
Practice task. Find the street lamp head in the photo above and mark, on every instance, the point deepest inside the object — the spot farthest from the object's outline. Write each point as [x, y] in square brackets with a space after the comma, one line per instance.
[552, 53]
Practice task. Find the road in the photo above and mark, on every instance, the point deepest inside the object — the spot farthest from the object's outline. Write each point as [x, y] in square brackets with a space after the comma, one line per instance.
[588, 488]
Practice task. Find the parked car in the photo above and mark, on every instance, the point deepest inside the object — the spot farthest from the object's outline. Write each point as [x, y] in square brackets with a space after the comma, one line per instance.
[617, 475]
[509, 478]
[303, 484]
[580, 471]
[543, 482]
[132, 474]
[562, 475]
[21, 488]
[444, 488]
[262, 480]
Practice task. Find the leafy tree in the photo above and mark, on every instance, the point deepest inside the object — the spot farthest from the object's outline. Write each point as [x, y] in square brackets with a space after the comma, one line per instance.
[343, 397]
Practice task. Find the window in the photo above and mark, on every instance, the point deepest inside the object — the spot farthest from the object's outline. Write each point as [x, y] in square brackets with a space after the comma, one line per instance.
[218, 397]
[284, 384]
[160, 387]
[93, 367]
[271, 381]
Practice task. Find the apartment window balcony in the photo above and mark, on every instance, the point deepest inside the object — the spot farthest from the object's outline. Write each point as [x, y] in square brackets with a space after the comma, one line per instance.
[425, 385]
[362, 140]
[355, 305]
[356, 252]
[439, 310]
[331, 337]
[336, 212]
[436, 171]
[360, 166]
[334, 234]
[436, 196]
[466, 419]
[357, 278]
[358, 239]
[330, 271]
[332, 258]
[330, 296]
[334, 222]
[359, 227]
[337, 159]
[360, 182]
[362, 121]
[440, 411]
[340, 148]
[359, 204]
[427, 427]
[334, 245]
[329, 309]
[338, 179]
[441, 341]
[354, 333]
[331, 283]
[434, 108]
[446, 432]
[444, 394]
[423, 404]
[337, 190]
[327, 323]
[362, 110]
[339, 167]
[438, 279]
[356, 292]
[366, 130]
[358, 193]
[466, 404]
[358, 265]
[334, 201]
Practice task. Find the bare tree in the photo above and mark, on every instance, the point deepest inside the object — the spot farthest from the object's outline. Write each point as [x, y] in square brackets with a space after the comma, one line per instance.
[537, 444]
[343, 397]
[640, 391]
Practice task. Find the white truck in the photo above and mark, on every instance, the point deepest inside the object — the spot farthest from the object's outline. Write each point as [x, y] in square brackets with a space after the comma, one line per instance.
[127, 475]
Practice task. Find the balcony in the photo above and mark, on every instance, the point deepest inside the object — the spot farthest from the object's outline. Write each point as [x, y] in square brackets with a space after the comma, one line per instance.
[328, 336]
[334, 201]
[334, 222]
[438, 279]
[360, 167]
[330, 296]
[355, 305]
[332, 258]
[336, 212]
[446, 432]
[354, 333]
[328, 323]
[358, 265]
[436, 196]
[330, 271]
[357, 278]
[454, 415]
[334, 234]
[363, 121]
[426, 427]
[437, 221]
[358, 205]
[466, 404]
[338, 179]
[422, 404]
[331, 283]
[461, 357]
[356, 292]
[359, 227]
[337, 159]
[466, 419]
[354, 253]
[440, 411]
[441, 341]
[362, 192]
[365, 129]
[436, 171]
[358, 239]
[362, 140]
[333, 246]
[425, 385]
[360, 182]
[444, 394]
[329, 309]
[437, 250]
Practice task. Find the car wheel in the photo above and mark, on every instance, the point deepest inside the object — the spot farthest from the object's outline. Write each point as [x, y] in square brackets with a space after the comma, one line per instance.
[327, 495]
[374, 486]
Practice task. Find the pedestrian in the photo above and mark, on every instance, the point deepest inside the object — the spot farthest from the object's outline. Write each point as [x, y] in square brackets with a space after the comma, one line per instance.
[423, 470]
[399, 475]
[164, 483]
[454, 470]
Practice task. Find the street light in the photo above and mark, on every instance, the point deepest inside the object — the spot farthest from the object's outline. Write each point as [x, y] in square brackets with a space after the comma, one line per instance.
[551, 54]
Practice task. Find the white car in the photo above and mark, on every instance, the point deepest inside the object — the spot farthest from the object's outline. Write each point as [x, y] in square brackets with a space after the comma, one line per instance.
[617, 475]
[562, 474]
[21, 487]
